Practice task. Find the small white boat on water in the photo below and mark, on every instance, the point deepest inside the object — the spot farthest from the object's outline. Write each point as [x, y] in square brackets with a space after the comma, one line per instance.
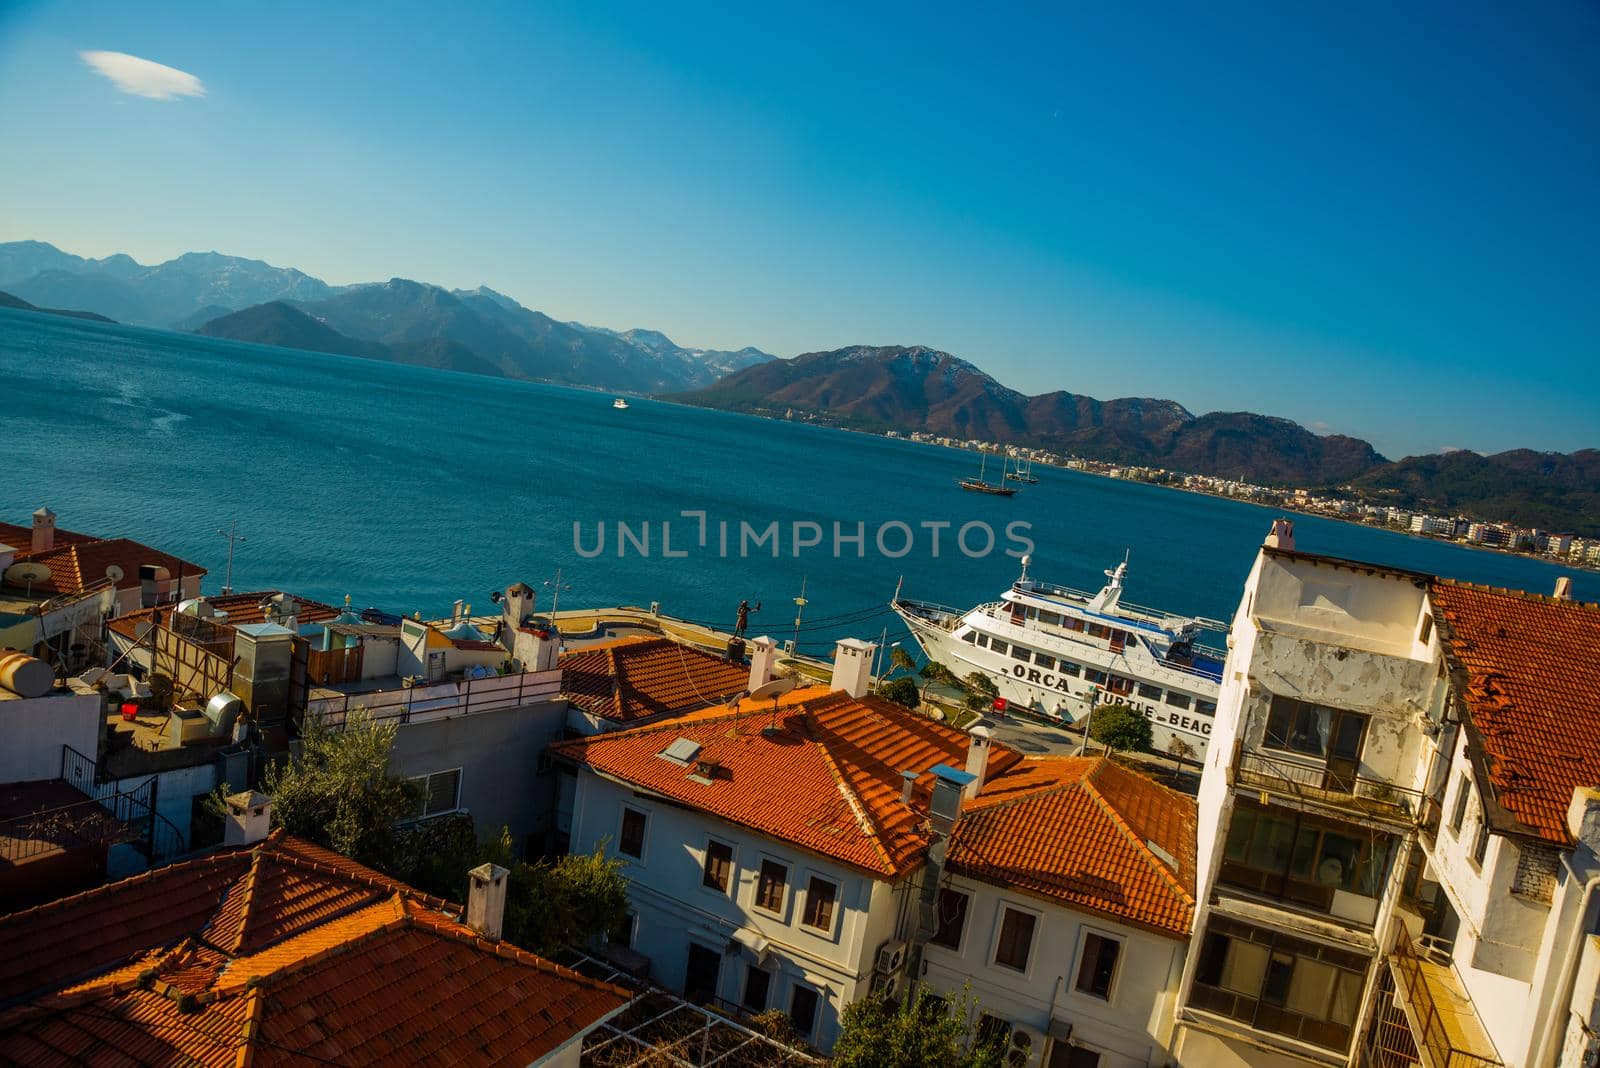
[619, 403]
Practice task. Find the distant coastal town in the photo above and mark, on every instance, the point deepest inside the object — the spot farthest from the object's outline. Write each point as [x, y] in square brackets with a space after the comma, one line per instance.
[1565, 548]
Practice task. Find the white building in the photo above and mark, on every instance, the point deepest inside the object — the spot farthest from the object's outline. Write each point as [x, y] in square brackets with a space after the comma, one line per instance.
[778, 856]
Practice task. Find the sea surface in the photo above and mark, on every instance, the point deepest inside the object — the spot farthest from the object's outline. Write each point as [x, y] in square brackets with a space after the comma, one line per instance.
[407, 488]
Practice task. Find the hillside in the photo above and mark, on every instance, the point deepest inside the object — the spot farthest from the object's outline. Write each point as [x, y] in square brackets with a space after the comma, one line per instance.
[477, 329]
[922, 389]
[18, 304]
[288, 327]
[1549, 490]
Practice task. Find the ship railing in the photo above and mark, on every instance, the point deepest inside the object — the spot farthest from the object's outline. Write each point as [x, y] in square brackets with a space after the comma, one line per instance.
[939, 614]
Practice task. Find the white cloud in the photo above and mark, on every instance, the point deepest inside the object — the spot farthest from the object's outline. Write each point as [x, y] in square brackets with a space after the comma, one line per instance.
[141, 77]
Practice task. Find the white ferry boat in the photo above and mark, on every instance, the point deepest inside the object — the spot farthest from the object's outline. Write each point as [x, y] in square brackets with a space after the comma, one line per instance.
[1059, 652]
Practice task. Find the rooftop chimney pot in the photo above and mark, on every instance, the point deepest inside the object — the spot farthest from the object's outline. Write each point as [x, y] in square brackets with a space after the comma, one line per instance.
[486, 900]
[249, 818]
[1281, 536]
[1564, 588]
[909, 780]
[977, 761]
[763, 657]
[852, 666]
[44, 531]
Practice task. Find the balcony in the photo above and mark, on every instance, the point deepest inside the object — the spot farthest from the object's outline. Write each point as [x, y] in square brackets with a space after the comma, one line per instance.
[393, 700]
[1425, 1016]
[1320, 786]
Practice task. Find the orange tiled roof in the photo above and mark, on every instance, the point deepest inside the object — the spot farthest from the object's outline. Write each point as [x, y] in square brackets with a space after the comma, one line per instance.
[1072, 829]
[242, 608]
[1079, 830]
[631, 680]
[80, 564]
[283, 953]
[1528, 668]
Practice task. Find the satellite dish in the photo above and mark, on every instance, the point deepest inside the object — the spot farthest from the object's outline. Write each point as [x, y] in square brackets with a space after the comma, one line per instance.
[774, 689]
[26, 574]
[114, 573]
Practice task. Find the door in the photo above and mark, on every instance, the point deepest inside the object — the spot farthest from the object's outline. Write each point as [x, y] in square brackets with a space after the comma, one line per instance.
[1345, 735]
[700, 978]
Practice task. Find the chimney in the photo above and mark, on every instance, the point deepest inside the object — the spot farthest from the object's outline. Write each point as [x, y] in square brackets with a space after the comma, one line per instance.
[945, 805]
[977, 761]
[763, 656]
[852, 666]
[486, 900]
[44, 530]
[1564, 588]
[1281, 536]
[455, 613]
[249, 818]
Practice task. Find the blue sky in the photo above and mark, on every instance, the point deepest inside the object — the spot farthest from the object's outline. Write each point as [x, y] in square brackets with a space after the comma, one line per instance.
[1375, 219]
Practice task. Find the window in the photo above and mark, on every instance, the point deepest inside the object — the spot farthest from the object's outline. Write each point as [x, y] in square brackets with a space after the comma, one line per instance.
[1069, 668]
[1072, 624]
[997, 645]
[1019, 653]
[803, 1003]
[1206, 708]
[993, 1034]
[1280, 984]
[1016, 938]
[1177, 700]
[631, 841]
[1297, 857]
[1480, 839]
[1149, 691]
[701, 973]
[757, 984]
[441, 792]
[1426, 630]
[1097, 630]
[770, 886]
[970, 637]
[983, 640]
[719, 866]
[1098, 966]
[1066, 1055]
[1458, 813]
[1045, 660]
[820, 897]
[1050, 619]
[952, 917]
[1118, 684]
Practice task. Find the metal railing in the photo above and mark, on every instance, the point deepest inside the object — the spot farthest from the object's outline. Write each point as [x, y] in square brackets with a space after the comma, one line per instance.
[439, 699]
[1442, 1052]
[155, 835]
[77, 825]
[1316, 783]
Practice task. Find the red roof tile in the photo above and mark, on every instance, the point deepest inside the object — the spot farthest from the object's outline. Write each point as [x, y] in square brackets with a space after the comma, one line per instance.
[279, 954]
[77, 566]
[632, 680]
[1528, 669]
[829, 780]
[1085, 831]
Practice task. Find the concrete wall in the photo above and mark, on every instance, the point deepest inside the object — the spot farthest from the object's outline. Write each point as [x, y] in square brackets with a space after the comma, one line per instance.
[1131, 1028]
[498, 754]
[673, 908]
[34, 730]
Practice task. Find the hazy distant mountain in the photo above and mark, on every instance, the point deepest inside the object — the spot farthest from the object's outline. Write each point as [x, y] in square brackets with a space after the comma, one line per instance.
[288, 327]
[1554, 491]
[17, 303]
[918, 388]
[161, 295]
[478, 329]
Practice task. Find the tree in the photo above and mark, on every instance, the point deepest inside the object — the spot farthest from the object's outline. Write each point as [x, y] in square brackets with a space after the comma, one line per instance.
[900, 660]
[1121, 727]
[923, 1030]
[901, 691]
[981, 691]
[1180, 750]
[339, 792]
[934, 671]
[560, 906]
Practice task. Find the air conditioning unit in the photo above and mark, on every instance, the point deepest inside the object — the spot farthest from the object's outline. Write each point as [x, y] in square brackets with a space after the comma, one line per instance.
[1026, 1046]
[886, 986]
[891, 957]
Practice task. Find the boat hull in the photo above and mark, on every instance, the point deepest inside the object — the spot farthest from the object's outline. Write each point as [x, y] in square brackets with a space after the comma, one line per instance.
[1055, 697]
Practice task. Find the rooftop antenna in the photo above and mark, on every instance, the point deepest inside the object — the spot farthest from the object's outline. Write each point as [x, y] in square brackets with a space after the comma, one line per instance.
[233, 536]
[555, 585]
[775, 690]
[799, 611]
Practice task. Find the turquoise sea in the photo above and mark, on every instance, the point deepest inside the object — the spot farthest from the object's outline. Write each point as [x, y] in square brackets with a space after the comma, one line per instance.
[407, 488]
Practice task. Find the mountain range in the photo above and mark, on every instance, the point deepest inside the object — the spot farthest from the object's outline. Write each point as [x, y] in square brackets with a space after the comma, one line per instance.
[905, 388]
[476, 330]
[18, 304]
[916, 388]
